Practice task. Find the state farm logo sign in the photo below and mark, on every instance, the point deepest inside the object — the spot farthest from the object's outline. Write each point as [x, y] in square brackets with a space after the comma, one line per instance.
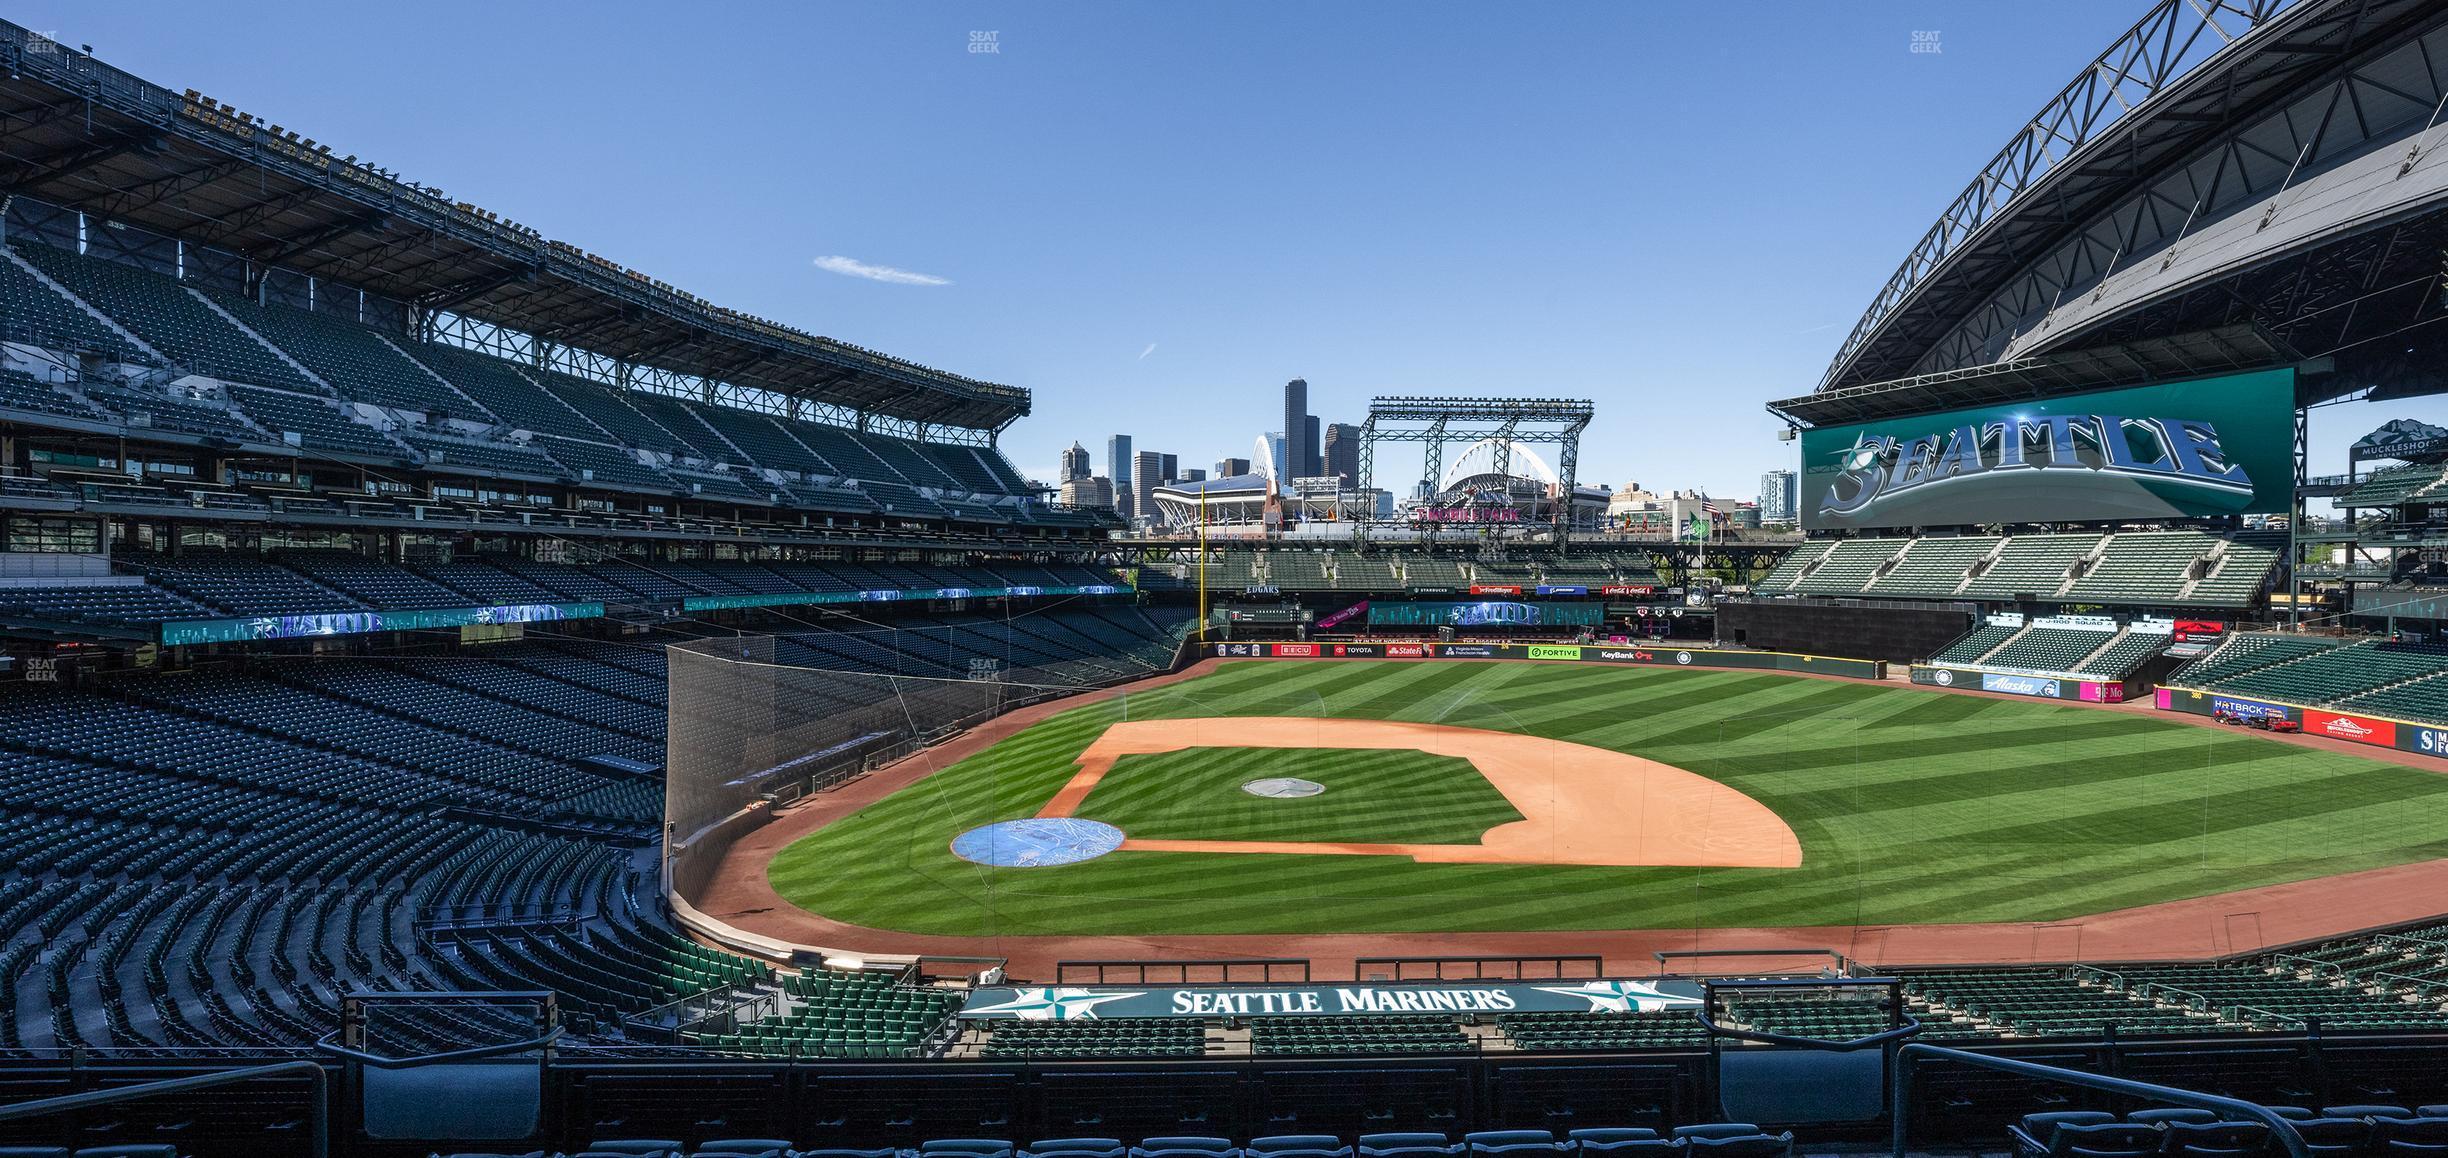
[1405, 650]
[2360, 729]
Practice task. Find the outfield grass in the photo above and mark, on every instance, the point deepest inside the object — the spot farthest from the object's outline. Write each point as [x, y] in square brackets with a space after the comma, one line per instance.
[1389, 797]
[1911, 806]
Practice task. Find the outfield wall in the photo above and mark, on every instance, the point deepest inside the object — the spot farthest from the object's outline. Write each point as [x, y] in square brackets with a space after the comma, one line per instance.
[2377, 731]
[2046, 687]
[1607, 653]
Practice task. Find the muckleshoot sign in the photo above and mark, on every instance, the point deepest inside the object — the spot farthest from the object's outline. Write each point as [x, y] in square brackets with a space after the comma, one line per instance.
[2212, 446]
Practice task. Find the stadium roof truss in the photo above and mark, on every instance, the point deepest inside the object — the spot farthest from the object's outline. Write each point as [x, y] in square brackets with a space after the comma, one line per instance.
[2205, 110]
[1498, 423]
[81, 134]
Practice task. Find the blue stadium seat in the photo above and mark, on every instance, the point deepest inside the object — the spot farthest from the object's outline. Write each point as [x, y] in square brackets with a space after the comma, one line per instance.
[1632, 1140]
[1076, 1148]
[2163, 1115]
[2333, 1137]
[2089, 1140]
[1298, 1146]
[1512, 1142]
[642, 1147]
[2214, 1139]
[967, 1147]
[2409, 1137]
[1715, 1130]
[1185, 1146]
[744, 1148]
[1406, 1145]
[2371, 1112]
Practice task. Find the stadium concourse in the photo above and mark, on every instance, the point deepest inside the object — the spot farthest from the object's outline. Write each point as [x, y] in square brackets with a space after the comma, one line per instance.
[468, 696]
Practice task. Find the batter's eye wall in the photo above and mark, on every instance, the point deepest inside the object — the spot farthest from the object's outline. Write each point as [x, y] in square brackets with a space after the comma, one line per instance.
[1853, 628]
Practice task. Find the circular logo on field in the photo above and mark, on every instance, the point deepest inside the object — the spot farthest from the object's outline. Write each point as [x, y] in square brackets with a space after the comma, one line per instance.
[1945, 678]
[1037, 842]
[1683, 657]
[1283, 787]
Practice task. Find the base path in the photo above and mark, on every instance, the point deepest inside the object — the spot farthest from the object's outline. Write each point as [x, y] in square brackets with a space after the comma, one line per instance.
[2199, 928]
[1579, 804]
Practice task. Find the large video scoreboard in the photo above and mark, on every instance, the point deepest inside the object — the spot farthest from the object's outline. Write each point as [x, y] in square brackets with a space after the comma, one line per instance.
[2211, 446]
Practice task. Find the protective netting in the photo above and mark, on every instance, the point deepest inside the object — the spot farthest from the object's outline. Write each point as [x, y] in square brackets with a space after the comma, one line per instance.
[746, 727]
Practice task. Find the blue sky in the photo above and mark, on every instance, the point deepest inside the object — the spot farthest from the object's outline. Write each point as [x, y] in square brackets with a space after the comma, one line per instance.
[1154, 213]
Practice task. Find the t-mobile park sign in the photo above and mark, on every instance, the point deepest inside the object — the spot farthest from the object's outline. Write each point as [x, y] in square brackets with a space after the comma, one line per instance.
[1056, 1003]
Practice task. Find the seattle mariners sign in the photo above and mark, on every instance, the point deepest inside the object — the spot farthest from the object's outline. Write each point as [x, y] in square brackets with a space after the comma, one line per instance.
[1062, 1003]
[2216, 446]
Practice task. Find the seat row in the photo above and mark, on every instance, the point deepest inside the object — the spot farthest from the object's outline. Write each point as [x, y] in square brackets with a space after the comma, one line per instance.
[2331, 1132]
[1716, 1140]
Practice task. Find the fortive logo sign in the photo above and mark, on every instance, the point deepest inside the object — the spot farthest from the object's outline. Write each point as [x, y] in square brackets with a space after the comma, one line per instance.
[1550, 651]
[1296, 649]
[2360, 729]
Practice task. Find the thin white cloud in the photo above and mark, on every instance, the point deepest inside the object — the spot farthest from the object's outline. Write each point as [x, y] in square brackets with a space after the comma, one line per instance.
[853, 267]
[1151, 348]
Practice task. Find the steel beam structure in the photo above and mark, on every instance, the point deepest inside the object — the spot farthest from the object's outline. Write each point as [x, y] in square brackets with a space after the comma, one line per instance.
[1435, 422]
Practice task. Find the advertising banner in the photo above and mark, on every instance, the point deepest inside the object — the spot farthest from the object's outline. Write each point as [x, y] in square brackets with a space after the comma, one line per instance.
[1585, 653]
[1495, 589]
[1627, 589]
[1561, 589]
[2249, 709]
[1339, 616]
[2360, 729]
[2208, 447]
[1483, 613]
[812, 598]
[2191, 630]
[2020, 685]
[1087, 1003]
[261, 627]
[2428, 741]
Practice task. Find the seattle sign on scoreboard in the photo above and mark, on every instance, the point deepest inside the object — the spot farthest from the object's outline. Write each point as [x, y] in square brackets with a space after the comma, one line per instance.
[2211, 446]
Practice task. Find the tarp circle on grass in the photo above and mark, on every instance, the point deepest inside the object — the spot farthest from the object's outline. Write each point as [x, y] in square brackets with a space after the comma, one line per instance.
[1038, 842]
[1283, 787]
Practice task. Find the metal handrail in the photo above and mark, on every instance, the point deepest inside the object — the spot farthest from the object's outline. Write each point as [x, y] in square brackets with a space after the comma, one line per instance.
[1911, 1026]
[318, 1114]
[329, 1043]
[2280, 1128]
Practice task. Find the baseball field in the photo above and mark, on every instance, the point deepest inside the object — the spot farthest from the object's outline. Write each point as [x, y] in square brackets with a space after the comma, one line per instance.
[1514, 796]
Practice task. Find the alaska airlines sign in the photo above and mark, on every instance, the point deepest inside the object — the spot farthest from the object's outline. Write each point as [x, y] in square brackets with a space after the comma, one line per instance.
[2211, 447]
[1063, 1003]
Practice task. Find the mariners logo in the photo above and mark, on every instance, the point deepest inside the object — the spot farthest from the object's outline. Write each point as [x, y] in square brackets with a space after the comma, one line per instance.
[1049, 1004]
[1683, 657]
[1945, 678]
[1619, 996]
